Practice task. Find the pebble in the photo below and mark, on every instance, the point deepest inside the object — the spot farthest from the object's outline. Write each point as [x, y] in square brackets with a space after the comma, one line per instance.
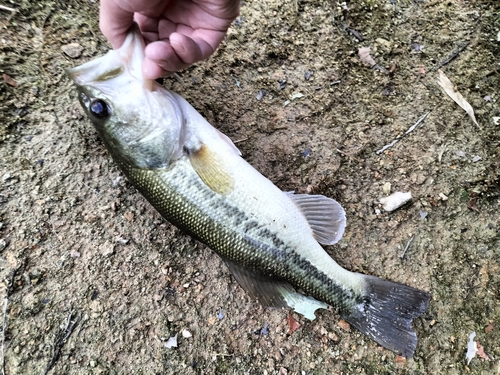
[395, 201]
[171, 342]
[73, 50]
[107, 249]
[6, 177]
[386, 189]
[186, 334]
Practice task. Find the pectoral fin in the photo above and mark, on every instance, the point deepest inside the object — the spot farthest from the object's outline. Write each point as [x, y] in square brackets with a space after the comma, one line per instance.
[274, 293]
[325, 216]
[212, 170]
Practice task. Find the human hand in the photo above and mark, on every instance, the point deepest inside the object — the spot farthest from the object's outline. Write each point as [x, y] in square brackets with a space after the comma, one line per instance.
[177, 33]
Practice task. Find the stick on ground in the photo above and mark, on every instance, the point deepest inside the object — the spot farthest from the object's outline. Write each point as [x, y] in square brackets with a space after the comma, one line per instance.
[397, 139]
[61, 337]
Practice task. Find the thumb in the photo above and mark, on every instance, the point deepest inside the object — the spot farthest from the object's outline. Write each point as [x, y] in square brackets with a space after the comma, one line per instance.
[114, 22]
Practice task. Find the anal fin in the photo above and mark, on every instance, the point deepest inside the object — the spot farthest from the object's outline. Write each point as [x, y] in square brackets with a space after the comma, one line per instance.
[274, 293]
[325, 216]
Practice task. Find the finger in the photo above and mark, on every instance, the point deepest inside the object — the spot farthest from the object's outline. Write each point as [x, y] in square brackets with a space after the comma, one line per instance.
[114, 22]
[162, 54]
[151, 70]
[189, 50]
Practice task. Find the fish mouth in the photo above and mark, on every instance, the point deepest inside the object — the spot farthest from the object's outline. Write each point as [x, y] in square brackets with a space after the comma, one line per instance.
[128, 57]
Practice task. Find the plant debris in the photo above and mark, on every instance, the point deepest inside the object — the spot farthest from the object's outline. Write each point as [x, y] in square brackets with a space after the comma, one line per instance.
[9, 80]
[398, 138]
[471, 348]
[293, 324]
[453, 93]
[366, 58]
[171, 342]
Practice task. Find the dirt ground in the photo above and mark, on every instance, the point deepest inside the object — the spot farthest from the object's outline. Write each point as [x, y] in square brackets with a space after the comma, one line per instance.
[97, 282]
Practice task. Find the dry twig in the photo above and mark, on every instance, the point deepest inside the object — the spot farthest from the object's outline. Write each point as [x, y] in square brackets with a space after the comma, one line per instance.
[455, 53]
[378, 152]
[61, 337]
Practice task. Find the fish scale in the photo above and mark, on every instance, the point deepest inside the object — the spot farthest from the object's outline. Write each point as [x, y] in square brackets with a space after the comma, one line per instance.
[181, 198]
[194, 176]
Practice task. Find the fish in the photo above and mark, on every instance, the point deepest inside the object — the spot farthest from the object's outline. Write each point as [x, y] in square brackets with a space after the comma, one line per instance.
[195, 177]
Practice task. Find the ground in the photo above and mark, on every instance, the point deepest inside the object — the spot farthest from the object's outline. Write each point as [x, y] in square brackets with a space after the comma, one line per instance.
[97, 282]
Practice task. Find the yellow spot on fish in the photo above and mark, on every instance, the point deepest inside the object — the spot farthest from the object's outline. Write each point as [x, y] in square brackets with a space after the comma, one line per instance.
[110, 74]
[212, 170]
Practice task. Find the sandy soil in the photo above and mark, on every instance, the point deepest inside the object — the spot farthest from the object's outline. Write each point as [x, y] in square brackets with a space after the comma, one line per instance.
[97, 282]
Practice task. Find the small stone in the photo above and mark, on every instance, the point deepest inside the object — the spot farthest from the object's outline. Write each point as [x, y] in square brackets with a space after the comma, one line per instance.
[6, 177]
[121, 240]
[171, 342]
[74, 254]
[186, 334]
[220, 315]
[476, 158]
[73, 50]
[107, 249]
[128, 215]
[383, 42]
[443, 197]
[3, 244]
[260, 94]
[344, 325]
[386, 189]
[395, 201]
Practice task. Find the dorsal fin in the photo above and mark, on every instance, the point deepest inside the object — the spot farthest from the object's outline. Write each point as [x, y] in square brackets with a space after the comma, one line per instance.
[229, 142]
[325, 216]
[274, 293]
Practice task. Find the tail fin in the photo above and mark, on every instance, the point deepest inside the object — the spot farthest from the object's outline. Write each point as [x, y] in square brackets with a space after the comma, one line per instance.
[386, 313]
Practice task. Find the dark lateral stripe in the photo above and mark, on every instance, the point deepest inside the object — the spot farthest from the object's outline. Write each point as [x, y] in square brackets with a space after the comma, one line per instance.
[183, 200]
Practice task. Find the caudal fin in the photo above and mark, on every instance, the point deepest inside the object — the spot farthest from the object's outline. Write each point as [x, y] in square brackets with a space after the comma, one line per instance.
[386, 313]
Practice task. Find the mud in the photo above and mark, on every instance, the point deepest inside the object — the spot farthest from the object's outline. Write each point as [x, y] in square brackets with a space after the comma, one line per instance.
[97, 281]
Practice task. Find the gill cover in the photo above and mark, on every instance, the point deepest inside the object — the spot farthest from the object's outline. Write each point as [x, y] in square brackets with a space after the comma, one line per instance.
[140, 122]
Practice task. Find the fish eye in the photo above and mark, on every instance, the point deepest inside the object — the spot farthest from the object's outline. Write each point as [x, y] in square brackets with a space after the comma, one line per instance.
[99, 108]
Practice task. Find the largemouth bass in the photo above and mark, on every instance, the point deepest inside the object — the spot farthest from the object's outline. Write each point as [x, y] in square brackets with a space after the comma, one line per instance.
[194, 176]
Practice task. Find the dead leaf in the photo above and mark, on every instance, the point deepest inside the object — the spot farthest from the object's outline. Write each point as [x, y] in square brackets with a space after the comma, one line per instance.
[9, 80]
[400, 359]
[293, 325]
[364, 55]
[472, 204]
[489, 328]
[344, 325]
[480, 352]
[453, 93]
